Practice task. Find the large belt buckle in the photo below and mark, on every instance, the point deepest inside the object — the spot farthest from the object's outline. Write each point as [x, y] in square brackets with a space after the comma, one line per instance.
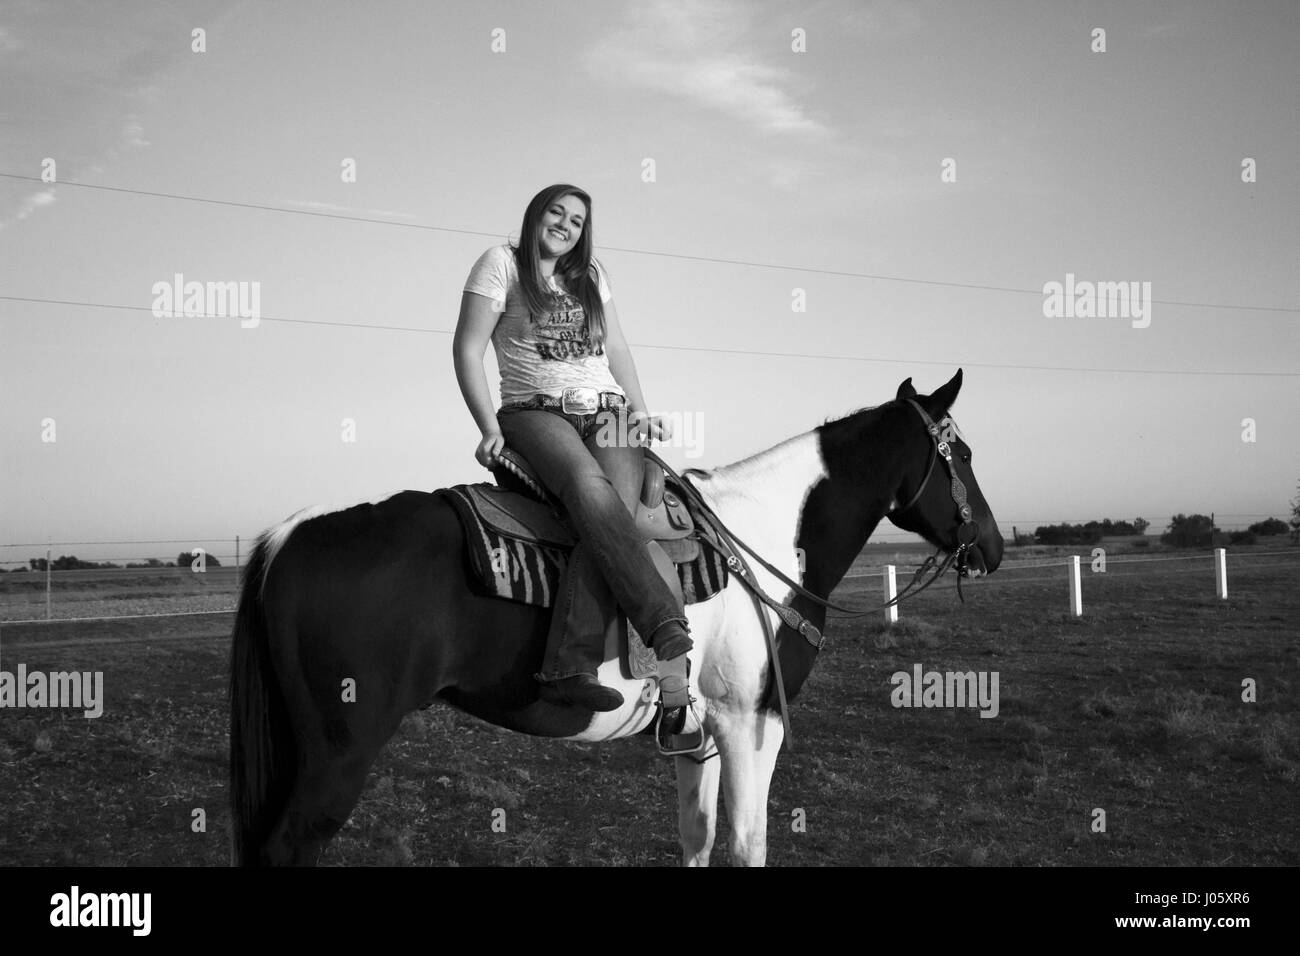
[580, 401]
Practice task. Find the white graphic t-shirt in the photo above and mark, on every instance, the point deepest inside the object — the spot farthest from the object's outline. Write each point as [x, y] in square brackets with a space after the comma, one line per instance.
[549, 354]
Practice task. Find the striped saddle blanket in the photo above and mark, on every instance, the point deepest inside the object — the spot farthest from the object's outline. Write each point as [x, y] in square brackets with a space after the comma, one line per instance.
[524, 561]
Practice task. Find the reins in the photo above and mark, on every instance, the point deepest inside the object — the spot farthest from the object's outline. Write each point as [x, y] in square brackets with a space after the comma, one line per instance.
[729, 546]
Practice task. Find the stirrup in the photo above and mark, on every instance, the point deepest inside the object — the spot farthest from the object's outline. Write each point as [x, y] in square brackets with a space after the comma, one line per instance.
[678, 727]
[688, 741]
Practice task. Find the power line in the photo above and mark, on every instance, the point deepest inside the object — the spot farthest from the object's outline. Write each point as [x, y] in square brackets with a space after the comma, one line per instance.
[697, 348]
[643, 252]
[253, 205]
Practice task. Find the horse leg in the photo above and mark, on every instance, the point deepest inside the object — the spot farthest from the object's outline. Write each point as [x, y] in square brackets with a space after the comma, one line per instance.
[697, 807]
[749, 743]
[337, 743]
[325, 791]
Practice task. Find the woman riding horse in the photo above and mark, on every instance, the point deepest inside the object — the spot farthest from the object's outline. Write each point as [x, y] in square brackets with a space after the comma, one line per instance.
[567, 380]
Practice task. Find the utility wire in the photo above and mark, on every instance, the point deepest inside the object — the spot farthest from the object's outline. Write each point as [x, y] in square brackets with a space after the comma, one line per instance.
[643, 252]
[695, 348]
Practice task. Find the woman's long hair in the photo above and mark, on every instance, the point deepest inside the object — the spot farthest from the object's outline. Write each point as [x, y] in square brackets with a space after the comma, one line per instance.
[574, 268]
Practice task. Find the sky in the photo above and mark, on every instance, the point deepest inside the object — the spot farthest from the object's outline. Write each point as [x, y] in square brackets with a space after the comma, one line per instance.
[744, 158]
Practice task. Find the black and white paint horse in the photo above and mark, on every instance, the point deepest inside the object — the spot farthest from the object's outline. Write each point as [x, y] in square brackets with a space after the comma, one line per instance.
[379, 595]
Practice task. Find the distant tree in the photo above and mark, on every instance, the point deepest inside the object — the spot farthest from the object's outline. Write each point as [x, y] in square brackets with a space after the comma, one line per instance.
[1089, 532]
[70, 562]
[1190, 531]
[1271, 526]
[185, 560]
[1068, 533]
[1295, 517]
[38, 564]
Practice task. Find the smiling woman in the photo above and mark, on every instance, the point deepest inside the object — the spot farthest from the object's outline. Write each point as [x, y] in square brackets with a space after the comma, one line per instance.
[567, 377]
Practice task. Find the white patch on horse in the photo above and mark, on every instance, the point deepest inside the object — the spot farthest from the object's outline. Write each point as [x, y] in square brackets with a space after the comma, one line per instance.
[766, 516]
[761, 499]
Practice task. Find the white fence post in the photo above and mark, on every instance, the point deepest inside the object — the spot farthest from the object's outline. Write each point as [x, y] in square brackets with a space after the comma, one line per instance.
[1221, 572]
[1076, 588]
[891, 592]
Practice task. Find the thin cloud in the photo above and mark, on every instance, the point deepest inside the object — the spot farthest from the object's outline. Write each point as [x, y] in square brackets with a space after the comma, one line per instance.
[80, 81]
[29, 205]
[698, 52]
[133, 134]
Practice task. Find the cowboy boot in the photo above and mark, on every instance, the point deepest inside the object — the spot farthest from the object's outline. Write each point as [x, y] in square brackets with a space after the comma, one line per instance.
[671, 639]
[581, 690]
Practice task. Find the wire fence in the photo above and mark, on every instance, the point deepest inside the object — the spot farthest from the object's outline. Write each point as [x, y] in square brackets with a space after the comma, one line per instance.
[236, 546]
[876, 570]
[222, 587]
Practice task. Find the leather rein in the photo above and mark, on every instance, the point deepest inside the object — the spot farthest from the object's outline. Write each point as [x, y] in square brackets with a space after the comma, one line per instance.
[967, 534]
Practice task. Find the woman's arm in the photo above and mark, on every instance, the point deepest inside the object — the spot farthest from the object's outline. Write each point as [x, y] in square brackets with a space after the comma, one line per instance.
[620, 360]
[624, 370]
[478, 318]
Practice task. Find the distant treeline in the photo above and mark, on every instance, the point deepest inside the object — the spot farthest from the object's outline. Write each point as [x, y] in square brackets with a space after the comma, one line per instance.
[1089, 533]
[1184, 531]
[70, 562]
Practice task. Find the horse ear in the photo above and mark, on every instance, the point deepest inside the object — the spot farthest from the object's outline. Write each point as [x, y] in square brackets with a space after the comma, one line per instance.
[943, 400]
[905, 391]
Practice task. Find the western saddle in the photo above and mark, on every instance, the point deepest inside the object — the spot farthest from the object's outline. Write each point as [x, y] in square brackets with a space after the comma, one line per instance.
[661, 516]
[521, 507]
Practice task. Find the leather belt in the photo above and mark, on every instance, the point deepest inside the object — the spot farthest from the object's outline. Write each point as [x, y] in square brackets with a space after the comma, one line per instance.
[574, 401]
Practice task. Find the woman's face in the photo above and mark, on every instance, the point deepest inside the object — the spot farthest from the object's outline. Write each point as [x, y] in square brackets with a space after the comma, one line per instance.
[561, 226]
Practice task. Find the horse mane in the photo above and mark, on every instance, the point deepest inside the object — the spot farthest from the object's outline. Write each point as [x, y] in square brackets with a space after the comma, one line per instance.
[857, 411]
[872, 408]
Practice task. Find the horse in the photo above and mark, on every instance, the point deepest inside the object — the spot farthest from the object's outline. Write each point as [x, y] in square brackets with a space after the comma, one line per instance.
[350, 619]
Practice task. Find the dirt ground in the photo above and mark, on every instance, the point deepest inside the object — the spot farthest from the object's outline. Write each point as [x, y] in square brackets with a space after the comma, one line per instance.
[1135, 708]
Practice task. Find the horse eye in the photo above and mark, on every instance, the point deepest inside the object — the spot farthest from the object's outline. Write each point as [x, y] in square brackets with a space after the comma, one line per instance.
[966, 458]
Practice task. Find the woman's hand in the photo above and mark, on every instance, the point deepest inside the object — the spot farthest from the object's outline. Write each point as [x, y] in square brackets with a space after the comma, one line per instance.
[656, 426]
[489, 448]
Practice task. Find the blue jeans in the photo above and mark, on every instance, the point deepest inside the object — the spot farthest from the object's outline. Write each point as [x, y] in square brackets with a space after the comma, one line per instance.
[599, 486]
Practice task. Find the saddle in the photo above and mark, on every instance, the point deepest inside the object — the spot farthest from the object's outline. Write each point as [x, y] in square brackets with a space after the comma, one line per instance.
[518, 537]
[660, 515]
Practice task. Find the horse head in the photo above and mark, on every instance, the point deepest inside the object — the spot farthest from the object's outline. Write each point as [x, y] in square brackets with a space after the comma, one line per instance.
[939, 497]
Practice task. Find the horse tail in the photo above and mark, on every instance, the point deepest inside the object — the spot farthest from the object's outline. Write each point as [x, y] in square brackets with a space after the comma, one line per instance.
[262, 749]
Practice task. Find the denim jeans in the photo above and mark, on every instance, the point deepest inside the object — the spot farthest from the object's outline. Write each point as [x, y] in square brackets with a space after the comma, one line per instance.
[599, 485]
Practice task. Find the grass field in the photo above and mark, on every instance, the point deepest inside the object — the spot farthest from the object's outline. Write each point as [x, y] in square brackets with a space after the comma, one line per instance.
[1135, 708]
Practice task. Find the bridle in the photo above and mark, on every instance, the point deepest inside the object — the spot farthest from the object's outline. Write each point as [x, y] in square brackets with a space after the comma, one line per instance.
[727, 542]
[967, 535]
[969, 531]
